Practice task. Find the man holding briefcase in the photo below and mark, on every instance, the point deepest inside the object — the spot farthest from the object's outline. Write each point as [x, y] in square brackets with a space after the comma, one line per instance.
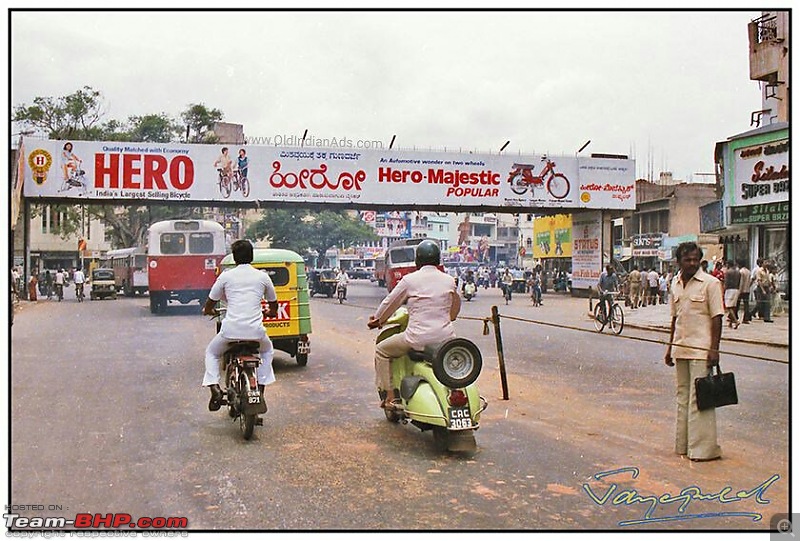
[697, 310]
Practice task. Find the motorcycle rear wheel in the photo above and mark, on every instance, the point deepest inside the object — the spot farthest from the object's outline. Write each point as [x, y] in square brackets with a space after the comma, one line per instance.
[247, 421]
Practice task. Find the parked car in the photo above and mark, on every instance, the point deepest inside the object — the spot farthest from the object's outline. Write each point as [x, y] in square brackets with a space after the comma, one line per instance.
[359, 273]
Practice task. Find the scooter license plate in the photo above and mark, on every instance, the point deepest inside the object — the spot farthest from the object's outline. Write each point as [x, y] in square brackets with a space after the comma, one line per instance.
[459, 418]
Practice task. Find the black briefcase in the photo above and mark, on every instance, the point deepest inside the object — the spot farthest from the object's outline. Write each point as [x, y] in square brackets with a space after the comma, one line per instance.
[716, 390]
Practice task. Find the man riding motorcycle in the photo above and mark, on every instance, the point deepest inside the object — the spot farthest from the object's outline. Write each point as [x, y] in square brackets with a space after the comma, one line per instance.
[243, 287]
[433, 304]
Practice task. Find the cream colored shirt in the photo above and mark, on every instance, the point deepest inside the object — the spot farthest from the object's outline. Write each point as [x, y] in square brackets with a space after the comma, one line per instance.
[431, 295]
[694, 306]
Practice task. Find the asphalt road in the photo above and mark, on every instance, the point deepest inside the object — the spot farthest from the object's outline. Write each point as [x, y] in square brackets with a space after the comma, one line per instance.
[108, 416]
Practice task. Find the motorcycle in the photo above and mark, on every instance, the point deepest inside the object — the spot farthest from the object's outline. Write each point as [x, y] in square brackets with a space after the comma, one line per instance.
[60, 292]
[469, 290]
[437, 388]
[341, 292]
[79, 292]
[242, 395]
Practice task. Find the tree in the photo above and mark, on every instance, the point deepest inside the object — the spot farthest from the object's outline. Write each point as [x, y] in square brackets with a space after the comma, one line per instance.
[153, 128]
[199, 121]
[301, 230]
[74, 116]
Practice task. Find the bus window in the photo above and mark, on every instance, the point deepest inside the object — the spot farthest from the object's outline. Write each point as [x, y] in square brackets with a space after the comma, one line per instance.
[173, 243]
[201, 243]
[402, 255]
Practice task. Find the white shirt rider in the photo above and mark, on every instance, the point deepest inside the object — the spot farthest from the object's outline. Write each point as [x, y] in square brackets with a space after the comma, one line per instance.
[78, 277]
[242, 287]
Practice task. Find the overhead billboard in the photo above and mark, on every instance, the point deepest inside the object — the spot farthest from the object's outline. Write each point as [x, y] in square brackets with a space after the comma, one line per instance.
[155, 172]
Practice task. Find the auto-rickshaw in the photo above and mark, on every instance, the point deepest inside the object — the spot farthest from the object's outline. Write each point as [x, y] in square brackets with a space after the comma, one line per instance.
[323, 282]
[103, 284]
[289, 330]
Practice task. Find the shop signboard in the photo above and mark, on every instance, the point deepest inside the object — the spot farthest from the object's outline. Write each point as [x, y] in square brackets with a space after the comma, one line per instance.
[761, 173]
[587, 253]
[760, 214]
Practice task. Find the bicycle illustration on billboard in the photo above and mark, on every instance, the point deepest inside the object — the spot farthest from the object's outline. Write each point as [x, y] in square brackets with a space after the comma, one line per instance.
[522, 178]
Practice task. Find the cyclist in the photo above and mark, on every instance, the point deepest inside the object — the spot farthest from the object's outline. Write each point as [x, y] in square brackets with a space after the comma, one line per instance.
[507, 282]
[79, 278]
[607, 287]
[242, 163]
[224, 162]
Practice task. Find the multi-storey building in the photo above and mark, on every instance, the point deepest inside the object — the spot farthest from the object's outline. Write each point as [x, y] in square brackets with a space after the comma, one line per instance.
[751, 213]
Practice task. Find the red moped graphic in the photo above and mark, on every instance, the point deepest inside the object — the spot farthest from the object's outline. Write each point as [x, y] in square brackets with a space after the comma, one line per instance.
[522, 178]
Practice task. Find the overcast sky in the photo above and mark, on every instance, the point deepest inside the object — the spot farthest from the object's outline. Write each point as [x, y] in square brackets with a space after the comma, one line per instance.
[663, 87]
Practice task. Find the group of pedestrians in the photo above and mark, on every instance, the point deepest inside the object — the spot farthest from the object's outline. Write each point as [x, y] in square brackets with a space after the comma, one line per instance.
[741, 284]
[46, 284]
[648, 287]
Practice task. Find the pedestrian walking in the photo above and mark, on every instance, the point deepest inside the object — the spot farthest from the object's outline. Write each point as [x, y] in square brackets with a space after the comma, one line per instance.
[733, 281]
[32, 287]
[652, 281]
[662, 288]
[744, 293]
[695, 331]
[764, 290]
[756, 311]
[635, 281]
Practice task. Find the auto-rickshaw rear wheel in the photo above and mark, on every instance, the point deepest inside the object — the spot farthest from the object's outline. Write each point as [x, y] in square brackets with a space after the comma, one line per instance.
[302, 359]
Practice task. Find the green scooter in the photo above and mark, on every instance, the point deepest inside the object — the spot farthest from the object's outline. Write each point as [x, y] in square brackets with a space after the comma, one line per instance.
[437, 388]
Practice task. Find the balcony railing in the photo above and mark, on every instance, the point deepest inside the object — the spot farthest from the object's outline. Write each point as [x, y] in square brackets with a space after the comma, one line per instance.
[767, 28]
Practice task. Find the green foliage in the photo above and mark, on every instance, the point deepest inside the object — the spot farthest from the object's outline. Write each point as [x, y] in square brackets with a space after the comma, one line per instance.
[74, 116]
[199, 121]
[302, 230]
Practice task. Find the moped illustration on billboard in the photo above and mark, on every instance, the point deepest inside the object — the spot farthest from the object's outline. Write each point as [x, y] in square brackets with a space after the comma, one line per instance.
[521, 178]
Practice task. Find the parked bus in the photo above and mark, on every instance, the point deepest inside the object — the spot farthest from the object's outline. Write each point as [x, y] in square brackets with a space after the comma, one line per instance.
[399, 261]
[183, 256]
[130, 270]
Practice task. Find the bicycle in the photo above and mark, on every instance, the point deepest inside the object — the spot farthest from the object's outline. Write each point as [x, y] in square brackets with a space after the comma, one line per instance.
[240, 182]
[224, 182]
[79, 292]
[507, 292]
[617, 319]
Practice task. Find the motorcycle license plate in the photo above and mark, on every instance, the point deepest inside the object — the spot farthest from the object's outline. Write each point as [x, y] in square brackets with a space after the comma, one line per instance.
[459, 418]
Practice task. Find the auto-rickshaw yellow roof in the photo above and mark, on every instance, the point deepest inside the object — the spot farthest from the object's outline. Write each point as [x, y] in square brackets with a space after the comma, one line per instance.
[267, 255]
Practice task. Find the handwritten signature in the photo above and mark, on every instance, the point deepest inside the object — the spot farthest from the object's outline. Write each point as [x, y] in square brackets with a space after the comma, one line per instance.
[628, 497]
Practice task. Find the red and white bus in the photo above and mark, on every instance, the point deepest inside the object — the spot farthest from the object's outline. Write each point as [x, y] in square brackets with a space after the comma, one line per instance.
[399, 261]
[130, 269]
[183, 256]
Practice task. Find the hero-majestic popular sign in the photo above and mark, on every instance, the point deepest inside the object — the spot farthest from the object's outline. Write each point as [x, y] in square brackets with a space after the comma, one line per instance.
[205, 174]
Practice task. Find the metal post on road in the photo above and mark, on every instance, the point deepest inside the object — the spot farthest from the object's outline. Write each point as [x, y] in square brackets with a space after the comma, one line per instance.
[500, 357]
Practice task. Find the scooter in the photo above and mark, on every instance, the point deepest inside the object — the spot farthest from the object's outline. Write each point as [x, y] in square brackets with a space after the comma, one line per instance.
[469, 290]
[437, 388]
[341, 292]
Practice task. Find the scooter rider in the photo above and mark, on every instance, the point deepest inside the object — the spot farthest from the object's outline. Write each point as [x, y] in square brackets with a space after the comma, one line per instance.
[433, 304]
[243, 287]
